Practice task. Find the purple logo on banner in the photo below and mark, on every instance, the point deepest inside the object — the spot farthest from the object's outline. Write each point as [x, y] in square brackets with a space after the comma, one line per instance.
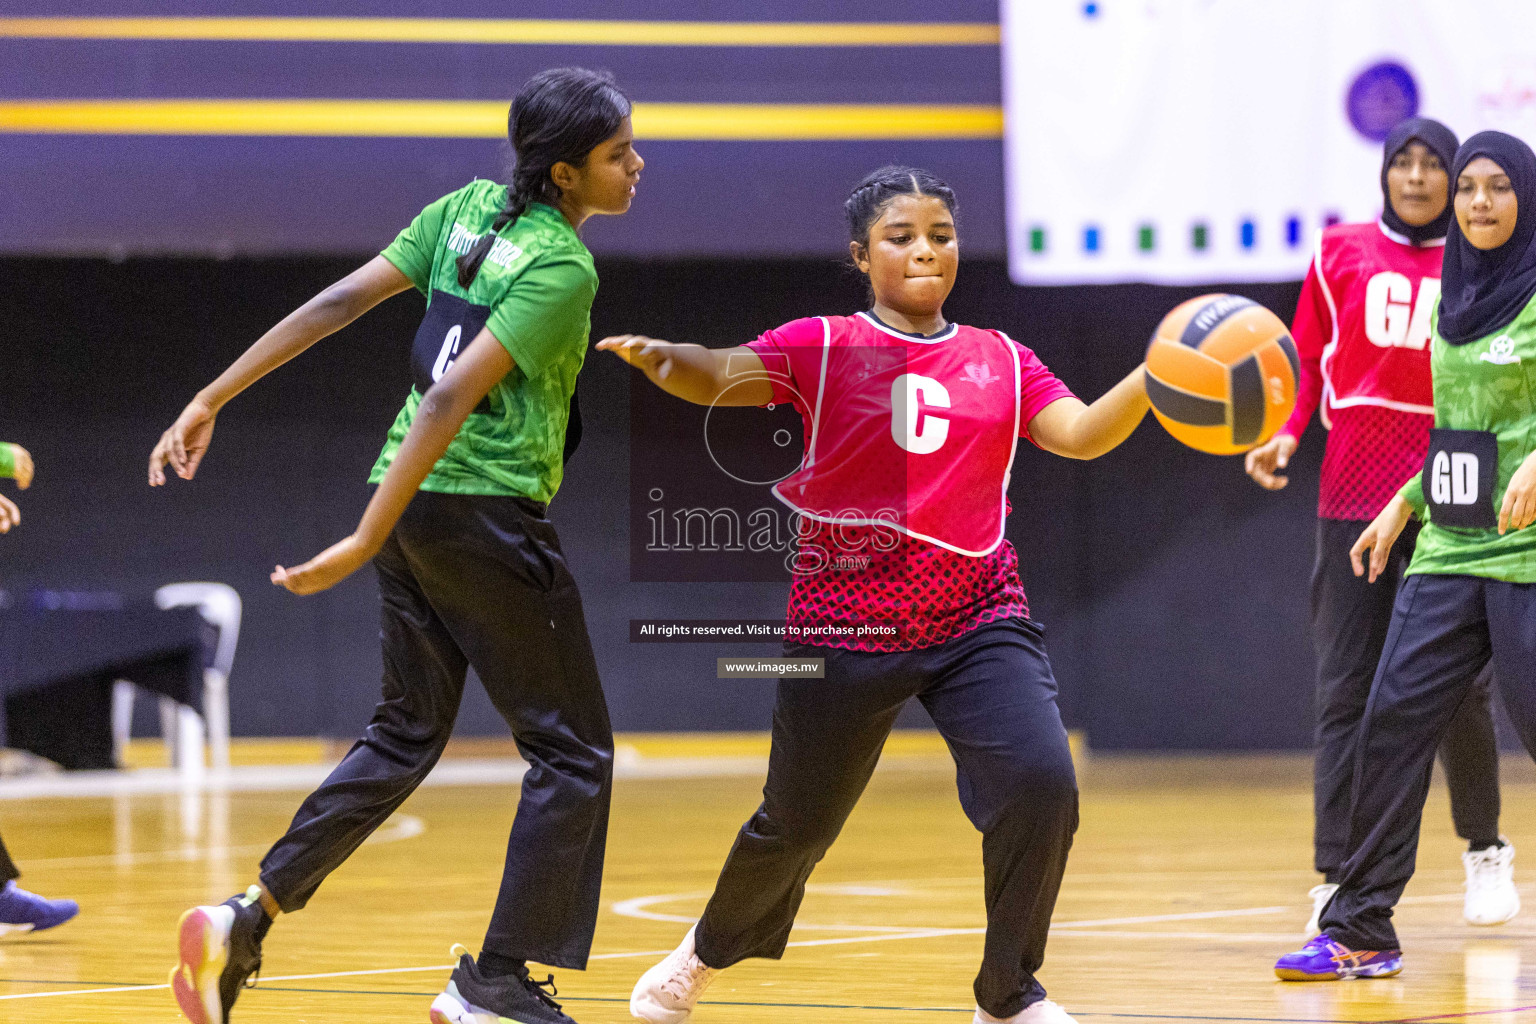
[1379, 97]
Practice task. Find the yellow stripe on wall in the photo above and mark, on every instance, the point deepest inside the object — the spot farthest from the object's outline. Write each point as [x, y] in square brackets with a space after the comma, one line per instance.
[510, 31]
[478, 119]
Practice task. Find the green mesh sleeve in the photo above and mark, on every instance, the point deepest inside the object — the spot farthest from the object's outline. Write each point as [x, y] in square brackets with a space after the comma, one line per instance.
[1413, 494]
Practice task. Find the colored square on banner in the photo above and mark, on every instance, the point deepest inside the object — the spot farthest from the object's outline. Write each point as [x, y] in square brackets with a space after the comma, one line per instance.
[1174, 112]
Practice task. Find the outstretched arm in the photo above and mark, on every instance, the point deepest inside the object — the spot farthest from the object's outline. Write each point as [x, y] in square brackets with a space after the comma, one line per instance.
[443, 410]
[1070, 428]
[187, 440]
[1311, 329]
[703, 376]
[14, 462]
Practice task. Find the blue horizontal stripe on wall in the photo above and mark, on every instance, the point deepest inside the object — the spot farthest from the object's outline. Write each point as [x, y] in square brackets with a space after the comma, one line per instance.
[124, 195]
[72, 69]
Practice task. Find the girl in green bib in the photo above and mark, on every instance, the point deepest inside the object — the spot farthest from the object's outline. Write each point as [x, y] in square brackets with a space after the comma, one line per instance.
[1470, 593]
[22, 911]
[470, 569]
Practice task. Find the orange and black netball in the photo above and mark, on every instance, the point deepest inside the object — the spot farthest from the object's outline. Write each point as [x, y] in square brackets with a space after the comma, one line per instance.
[1221, 373]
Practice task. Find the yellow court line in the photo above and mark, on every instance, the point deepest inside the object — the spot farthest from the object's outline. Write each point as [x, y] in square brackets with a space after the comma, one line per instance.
[487, 119]
[545, 31]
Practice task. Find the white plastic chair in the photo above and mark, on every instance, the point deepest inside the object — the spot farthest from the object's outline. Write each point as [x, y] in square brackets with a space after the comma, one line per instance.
[182, 729]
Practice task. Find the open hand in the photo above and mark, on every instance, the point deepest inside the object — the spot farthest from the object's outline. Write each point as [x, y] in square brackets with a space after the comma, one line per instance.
[184, 444]
[648, 355]
[1519, 508]
[1379, 537]
[1262, 462]
[10, 515]
[326, 569]
[21, 459]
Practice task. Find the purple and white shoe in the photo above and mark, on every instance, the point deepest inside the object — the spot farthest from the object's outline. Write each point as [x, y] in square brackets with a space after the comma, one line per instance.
[22, 911]
[1322, 959]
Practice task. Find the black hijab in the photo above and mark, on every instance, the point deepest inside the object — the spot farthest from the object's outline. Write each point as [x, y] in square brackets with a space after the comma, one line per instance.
[1484, 290]
[1440, 141]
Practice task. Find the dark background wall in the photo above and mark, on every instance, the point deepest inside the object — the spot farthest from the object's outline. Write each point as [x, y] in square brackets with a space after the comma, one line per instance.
[224, 193]
[1173, 590]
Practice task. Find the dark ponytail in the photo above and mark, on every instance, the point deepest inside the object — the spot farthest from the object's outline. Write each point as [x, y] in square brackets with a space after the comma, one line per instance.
[872, 195]
[560, 116]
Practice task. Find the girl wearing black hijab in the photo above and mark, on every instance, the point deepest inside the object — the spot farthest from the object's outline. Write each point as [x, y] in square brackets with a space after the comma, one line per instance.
[1362, 331]
[1470, 595]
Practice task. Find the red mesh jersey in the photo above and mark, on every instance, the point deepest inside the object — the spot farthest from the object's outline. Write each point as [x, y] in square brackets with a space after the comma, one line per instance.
[892, 585]
[1362, 331]
[1371, 452]
[915, 595]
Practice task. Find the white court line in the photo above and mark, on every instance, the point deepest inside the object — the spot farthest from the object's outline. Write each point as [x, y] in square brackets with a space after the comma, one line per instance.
[1450, 897]
[1202, 915]
[1095, 933]
[916, 933]
[1065, 929]
[926, 933]
[242, 779]
[397, 828]
[85, 991]
[638, 907]
[484, 771]
[277, 977]
[280, 977]
[193, 853]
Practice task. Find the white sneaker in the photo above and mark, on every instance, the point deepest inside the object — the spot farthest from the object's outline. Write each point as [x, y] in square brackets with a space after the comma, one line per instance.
[666, 993]
[1042, 1012]
[1491, 896]
[1320, 895]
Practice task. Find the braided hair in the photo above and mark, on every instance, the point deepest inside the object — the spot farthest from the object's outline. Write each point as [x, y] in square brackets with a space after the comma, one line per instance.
[560, 116]
[875, 192]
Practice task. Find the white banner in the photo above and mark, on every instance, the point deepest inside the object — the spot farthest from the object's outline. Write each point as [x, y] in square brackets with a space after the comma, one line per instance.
[1205, 141]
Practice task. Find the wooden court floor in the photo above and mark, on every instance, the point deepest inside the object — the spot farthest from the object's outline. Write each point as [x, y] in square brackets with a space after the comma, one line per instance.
[1188, 877]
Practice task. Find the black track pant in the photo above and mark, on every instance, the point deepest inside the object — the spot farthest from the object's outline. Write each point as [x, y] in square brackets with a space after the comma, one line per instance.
[1445, 630]
[1350, 618]
[8, 869]
[992, 695]
[478, 581]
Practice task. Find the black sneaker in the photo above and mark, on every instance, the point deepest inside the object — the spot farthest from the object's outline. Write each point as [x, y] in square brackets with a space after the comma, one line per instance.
[472, 998]
[220, 950]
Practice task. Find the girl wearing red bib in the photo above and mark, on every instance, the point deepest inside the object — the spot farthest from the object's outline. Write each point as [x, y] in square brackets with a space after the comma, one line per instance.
[923, 494]
[910, 428]
[1362, 329]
